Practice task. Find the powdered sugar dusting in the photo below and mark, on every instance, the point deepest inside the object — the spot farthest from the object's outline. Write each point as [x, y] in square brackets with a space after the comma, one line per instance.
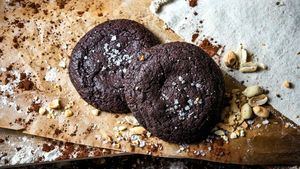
[26, 151]
[7, 90]
[51, 74]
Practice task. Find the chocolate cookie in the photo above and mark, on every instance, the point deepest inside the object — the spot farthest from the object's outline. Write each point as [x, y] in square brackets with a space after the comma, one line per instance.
[175, 91]
[100, 59]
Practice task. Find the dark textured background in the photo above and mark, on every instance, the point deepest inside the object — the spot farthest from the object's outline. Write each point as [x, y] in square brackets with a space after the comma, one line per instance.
[145, 162]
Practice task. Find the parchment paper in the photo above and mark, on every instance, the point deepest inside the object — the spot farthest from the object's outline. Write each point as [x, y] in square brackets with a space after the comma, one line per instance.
[51, 30]
[268, 29]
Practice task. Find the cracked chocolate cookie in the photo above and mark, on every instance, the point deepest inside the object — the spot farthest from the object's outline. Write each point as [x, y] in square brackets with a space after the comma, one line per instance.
[175, 91]
[100, 59]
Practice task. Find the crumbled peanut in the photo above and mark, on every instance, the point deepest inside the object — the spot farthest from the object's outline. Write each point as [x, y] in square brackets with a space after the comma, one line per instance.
[42, 111]
[262, 66]
[95, 112]
[261, 111]
[287, 84]
[231, 119]
[258, 100]
[248, 67]
[131, 120]
[246, 111]
[225, 127]
[233, 135]
[233, 107]
[243, 56]
[230, 59]
[244, 125]
[242, 133]
[137, 130]
[68, 113]
[116, 145]
[148, 134]
[253, 91]
[225, 138]
[219, 132]
[142, 58]
[55, 104]
[122, 128]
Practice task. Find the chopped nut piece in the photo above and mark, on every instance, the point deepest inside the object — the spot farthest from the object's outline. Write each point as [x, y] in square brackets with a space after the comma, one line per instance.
[233, 135]
[265, 122]
[132, 120]
[137, 130]
[242, 133]
[55, 104]
[148, 134]
[258, 100]
[262, 66]
[261, 111]
[62, 63]
[68, 113]
[253, 91]
[225, 138]
[116, 145]
[42, 111]
[95, 112]
[219, 132]
[246, 111]
[230, 59]
[233, 107]
[225, 127]
[231, 119]
[287, 84]
[106, 137]
[248, 67]
[244, 56]
[122, 128]
[142, 58]
[244, 125]
[234, 91]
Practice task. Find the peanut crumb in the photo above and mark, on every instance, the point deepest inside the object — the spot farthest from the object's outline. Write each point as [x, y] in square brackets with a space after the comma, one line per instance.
[142, 58]
[42, 111]
[68, 113]
[287, 84]
[55, 104]
[95, 112]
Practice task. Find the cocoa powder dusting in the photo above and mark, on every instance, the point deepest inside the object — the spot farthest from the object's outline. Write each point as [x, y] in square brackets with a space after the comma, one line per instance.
[194, 37]
[48, 148]
[34, 107]
[193, 3]
[209, 48]
[26, 83]
[57, 132]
